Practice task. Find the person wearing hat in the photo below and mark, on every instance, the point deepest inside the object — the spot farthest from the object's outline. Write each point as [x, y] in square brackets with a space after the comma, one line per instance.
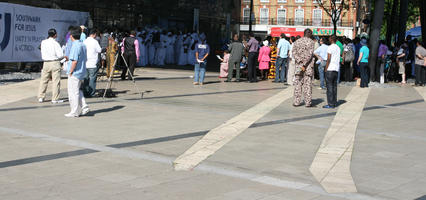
[51, 53]
[264, 60]
[363, 63]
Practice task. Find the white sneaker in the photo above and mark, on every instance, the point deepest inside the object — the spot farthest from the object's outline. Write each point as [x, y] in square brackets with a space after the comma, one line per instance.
[57, 101]
[70, 115]
[85, 111]
[40, 100]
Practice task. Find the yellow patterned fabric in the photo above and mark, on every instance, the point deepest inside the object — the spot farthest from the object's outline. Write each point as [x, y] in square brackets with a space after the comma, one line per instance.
[271, 74]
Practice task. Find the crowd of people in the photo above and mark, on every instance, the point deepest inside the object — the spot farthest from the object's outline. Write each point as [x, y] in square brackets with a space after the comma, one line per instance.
[289, 60]
[297, 60]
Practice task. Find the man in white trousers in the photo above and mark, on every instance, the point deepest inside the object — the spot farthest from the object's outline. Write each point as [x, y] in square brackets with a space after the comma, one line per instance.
[76, 70]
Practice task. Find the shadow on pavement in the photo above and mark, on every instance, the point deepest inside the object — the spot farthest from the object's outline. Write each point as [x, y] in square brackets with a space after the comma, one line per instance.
[93, 113]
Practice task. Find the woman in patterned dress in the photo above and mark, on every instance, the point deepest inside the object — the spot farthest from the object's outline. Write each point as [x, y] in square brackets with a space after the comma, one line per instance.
[110, 55]
[273, 47]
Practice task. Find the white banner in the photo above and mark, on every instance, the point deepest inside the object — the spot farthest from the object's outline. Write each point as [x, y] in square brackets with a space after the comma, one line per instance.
[22, 28]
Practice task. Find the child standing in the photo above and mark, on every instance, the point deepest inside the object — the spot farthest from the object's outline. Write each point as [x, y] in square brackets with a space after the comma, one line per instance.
[224, 65]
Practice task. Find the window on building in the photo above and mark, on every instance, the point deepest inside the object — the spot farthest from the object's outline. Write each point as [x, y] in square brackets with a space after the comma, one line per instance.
[246, 15]
[281, 16]
[317, 17]
[246, 1]
[264, 15]
[264, 1]
[299, 1]
[282, 1]
[299, 17]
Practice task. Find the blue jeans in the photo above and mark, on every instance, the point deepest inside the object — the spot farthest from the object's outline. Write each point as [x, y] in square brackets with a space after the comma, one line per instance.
[280, 67]
[364, 74]
[321, 73]
[338, 75]
[200, 72]
[89, 84]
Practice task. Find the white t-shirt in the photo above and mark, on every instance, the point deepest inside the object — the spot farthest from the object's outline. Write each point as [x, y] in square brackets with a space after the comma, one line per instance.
[334, 50]
[93, 49]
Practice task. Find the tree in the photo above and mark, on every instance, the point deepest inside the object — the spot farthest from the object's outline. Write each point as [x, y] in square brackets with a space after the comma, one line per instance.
[392, 19]
[376, 25]
[403, 16]
[334, 10]
[423, 18]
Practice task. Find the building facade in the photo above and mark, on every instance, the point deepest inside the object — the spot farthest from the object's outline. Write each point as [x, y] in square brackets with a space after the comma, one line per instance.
[273, 17]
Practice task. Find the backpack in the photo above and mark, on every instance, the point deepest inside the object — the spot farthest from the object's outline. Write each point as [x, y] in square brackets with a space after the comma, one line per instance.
[349, 55]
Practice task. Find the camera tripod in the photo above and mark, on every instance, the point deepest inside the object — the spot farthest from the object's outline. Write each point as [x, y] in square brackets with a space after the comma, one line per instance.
[111, 77]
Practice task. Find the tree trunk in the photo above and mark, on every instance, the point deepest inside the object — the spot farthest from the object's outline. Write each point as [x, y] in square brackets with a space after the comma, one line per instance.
[375, 35]
[335, 27]
[391, 22]
[423, 18]
[403, 16]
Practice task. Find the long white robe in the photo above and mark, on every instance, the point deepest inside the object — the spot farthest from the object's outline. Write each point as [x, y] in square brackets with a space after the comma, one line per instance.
[191, 52]
[161, 58]
[170, 51]
[140, 52]
[143, 52]
[151, 51]
[178, 46]
[183, 56]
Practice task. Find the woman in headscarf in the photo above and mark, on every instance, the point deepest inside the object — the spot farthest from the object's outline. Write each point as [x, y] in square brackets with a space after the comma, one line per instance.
[303, 54]
[264, 59]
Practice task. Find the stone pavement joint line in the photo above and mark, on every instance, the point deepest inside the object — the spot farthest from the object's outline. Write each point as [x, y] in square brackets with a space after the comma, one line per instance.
[246, 175]
[221, 135]
[421, 91]
[331, 165]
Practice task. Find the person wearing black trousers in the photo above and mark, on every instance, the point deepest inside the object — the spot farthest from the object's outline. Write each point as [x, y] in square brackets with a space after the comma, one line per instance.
[331, 72]
[130, 51]
[253, 46]
[363, 64]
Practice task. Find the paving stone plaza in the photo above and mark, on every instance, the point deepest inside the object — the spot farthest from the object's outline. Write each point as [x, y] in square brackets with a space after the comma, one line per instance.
[219, 141]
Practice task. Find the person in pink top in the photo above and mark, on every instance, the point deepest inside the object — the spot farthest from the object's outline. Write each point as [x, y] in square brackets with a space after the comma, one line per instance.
[224, 65]
[264, 59]
[130, 51]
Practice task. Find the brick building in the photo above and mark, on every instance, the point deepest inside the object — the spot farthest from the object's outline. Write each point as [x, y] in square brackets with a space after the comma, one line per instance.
[273, 17]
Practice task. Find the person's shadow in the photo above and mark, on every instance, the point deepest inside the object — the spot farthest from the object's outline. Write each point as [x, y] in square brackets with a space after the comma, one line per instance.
[316, 102]
[93, 113]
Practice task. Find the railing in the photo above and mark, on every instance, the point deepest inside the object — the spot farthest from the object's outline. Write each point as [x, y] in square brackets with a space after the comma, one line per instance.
[297, 22]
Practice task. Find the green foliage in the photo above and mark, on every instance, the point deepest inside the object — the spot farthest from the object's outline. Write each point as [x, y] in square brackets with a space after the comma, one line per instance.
[413, 14]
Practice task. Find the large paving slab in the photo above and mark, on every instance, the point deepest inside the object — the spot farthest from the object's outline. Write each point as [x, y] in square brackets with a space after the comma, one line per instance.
[124, 149]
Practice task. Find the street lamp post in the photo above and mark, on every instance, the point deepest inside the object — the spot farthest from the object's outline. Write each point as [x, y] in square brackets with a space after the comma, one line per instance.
[250, 18]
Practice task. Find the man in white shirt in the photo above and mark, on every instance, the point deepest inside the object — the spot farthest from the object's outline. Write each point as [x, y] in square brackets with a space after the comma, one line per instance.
[51, 53]
[331, 72]
[321, 54]
[93, 51]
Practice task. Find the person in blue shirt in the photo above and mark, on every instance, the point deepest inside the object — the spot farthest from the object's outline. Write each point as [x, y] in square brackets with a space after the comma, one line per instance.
[202, 50]
[83, 35]
[363, 63]
[76, 71]
[283, 49]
